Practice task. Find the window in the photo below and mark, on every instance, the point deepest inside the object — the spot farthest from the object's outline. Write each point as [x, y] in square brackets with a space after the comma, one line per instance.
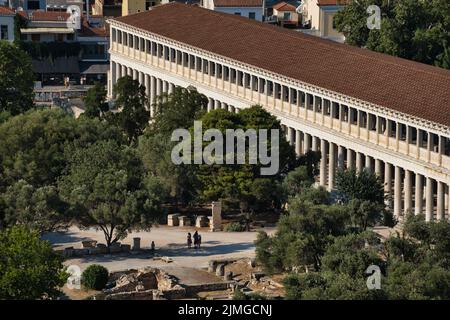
[33, 5]
[237, 13]
[3, 32]
[287, 16]
[252, 15]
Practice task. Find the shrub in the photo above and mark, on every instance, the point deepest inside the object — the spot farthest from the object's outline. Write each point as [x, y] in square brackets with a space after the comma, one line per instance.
[95, 277]
[234, 227]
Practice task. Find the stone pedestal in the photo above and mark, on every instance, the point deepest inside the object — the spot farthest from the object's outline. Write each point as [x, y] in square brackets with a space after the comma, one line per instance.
[228, 276]
[136, 244]
[212, 265]
[173, 220]
[103, 249]
[201, 222]
[115, 248]
[184, 221]
[220, 270]
[215, 221]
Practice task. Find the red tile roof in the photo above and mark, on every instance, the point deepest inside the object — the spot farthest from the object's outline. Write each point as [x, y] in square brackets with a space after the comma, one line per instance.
[283, 6]
[91, 31]
[322, 3]
[6, 11]
[401, 85]
[238, 3]
[48, 16]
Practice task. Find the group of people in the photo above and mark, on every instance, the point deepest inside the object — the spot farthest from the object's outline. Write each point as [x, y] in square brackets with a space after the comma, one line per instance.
[197, 240]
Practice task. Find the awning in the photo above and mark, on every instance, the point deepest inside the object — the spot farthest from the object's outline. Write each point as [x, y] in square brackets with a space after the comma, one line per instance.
[47, 30]
[59, 65]
[93, 68]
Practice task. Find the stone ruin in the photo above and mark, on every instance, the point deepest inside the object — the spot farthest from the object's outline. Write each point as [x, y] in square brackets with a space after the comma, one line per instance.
[143, 284]
[214, 221]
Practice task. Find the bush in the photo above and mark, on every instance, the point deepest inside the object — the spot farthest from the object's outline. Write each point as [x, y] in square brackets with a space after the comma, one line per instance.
[239, 295]
[234, 227]
[95, 277]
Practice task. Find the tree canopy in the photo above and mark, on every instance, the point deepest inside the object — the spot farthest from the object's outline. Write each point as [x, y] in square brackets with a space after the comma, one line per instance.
[29, 268]
[16, 79]
[105, 187]
[411, 29]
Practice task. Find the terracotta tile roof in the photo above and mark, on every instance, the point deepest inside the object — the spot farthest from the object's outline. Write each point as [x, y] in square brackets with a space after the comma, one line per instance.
[91, 31]
[238, 3]
[322, 3]
[283, 6]
[48, 16]
[6, 11]
[400, 85]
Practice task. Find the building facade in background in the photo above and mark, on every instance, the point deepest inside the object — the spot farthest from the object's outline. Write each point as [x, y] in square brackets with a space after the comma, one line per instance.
[318, 16]
[252, 9]
[7, 24]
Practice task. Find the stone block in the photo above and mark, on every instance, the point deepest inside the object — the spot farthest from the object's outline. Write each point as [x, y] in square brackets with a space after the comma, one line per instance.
[215, 221]
[136, 244]
[94, 250]
[115, 249]
[220, 270]
[201, 222]
[184, 221]
[88, 243]
[212, 265]
[228, 276]
[173, 220]
[125, 247]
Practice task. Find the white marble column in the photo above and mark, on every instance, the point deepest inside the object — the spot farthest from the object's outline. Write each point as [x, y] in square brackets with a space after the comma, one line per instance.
[158, 87]
[429, 201]
[331, 165]
[407, 185]
[171, 88]
[369, 166]
[315, 144]
[440, 201]
[216, 104]
[298, 142]
[378, 165]
[418, 206]
[210, 104]
[341, 157]
[397, 191]
[388, 183]
[292, 136]
[152, 90]
[350, 159]
[323, 162]
[359, 160]
[224, 106]
[306, 142]
[147, 91]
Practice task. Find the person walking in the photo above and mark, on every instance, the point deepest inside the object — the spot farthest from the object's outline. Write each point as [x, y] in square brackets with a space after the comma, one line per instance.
[199, 240]
[195, 239]
[189, 240]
